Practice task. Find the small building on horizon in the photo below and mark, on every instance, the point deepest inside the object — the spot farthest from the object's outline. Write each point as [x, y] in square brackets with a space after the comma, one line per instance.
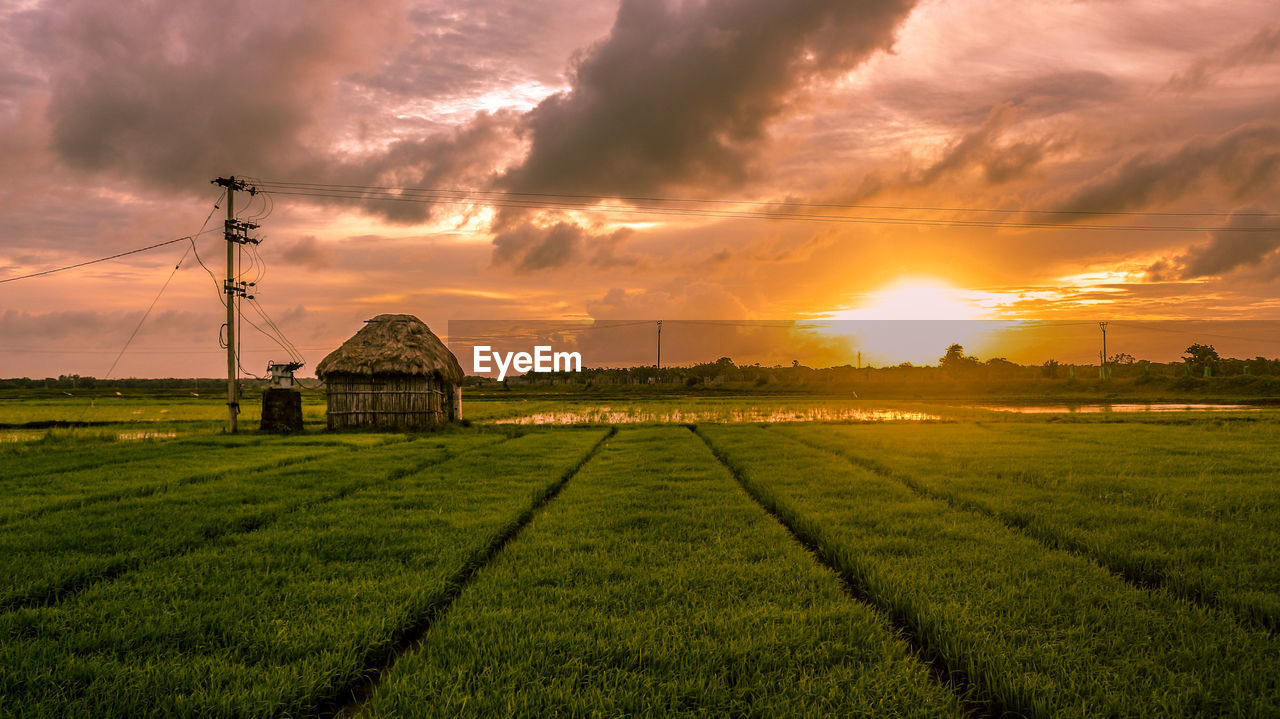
[393, 374]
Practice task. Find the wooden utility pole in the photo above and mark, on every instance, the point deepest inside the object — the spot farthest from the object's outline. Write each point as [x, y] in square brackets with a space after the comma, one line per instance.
[1103, 365]
[233, 389]
[659, 365]
[235, 233]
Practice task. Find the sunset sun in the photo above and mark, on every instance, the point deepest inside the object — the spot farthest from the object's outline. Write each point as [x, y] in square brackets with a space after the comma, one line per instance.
[913, 318]
[920, 298]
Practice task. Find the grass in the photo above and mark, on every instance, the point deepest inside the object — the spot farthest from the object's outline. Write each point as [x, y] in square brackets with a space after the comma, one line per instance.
[1188, 508]
[1042, 632]
[58, 552]
[1043, 565]
[34, 494]
[654, 586]
[280, 620]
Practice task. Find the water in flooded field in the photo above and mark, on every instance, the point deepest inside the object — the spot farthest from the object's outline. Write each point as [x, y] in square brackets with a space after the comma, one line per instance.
[607, 415]
[134, 436]
[21, 435]
[1096, 408]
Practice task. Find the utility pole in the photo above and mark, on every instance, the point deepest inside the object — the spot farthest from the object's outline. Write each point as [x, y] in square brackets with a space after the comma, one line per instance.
[659, 365]
[235, 233]
[1103, 364]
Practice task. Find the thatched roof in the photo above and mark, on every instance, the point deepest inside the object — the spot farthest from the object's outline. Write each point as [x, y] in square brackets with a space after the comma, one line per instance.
[393, 345]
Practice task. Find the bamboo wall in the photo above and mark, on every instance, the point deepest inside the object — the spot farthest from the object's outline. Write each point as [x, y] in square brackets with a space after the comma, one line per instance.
[397, 402]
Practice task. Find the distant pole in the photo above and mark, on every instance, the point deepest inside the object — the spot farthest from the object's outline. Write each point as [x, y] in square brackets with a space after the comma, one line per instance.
[1103, 364]
[659, 365]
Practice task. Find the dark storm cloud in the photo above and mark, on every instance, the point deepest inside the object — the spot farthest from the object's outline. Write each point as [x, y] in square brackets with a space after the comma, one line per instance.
[1244, 162]
[1039, 95]
[679, 94]
[467, 156]
[175, 93]
[1226, 250]
[529, 247]
[1256, 49]
[983, 153]
[981, 149]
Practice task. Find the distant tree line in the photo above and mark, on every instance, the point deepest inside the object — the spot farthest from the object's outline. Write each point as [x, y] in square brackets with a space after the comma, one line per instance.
[76, 381]
[1199, 361]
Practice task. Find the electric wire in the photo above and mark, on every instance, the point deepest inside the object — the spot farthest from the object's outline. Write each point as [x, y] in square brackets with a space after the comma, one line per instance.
[163, 287]
[280, 338]
[147, 313]
[154, 300]
[775, 203]
[104, 259]
[753, 215]
[1196, 333]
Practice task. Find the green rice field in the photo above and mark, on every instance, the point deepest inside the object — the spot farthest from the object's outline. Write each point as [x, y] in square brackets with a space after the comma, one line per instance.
[728, 557]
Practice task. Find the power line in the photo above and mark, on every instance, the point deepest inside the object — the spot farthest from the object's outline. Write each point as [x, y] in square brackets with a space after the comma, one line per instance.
[39, 350]
[517, 203]
[104, 259]
[773, 203]
[1198, 333]
[147, 313]
[165, 286]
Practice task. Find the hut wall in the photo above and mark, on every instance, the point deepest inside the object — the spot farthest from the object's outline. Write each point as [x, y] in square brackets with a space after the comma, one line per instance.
[388, 401]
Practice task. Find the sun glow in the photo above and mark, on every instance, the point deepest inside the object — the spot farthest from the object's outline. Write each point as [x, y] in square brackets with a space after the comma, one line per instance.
[915, 319]
[922, 299]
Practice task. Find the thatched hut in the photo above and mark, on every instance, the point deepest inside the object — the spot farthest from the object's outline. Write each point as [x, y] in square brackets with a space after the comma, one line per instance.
[393, 374]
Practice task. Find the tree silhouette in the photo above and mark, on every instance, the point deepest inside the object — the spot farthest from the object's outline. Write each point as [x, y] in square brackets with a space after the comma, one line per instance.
[955, 359]
[1201, 356]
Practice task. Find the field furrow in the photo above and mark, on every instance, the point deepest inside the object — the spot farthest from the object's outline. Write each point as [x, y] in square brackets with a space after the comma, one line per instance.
[1217, 562]
[654, 586]
[49, 556]
[76, 490]
[1224, 474]
[53, 459]
[1043, 632]
[281, 621]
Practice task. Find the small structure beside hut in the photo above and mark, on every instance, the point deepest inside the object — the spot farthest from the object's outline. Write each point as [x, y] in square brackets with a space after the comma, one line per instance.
[393, 374]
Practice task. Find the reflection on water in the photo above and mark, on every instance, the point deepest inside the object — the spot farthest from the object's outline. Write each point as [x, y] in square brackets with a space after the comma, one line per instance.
[607, 415]
[30, 435]
[24, 435]
[1095, 408]
[132, 436]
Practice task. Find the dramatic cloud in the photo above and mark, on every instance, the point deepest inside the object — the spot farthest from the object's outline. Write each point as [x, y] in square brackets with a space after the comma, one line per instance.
[114, 118]
[175, 93]
[981, 154]
[679, 94]
[530, 247]
[1245, 163]
[1227, 250]
[1257, 49]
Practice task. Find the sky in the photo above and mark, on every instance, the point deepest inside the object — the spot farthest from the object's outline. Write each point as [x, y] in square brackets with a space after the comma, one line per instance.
[848, 160]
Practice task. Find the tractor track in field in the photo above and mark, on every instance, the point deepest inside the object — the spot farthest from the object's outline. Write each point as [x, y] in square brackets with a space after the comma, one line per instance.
[347, 701]
[975, 700]
[1138, 577]
[75, 585]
